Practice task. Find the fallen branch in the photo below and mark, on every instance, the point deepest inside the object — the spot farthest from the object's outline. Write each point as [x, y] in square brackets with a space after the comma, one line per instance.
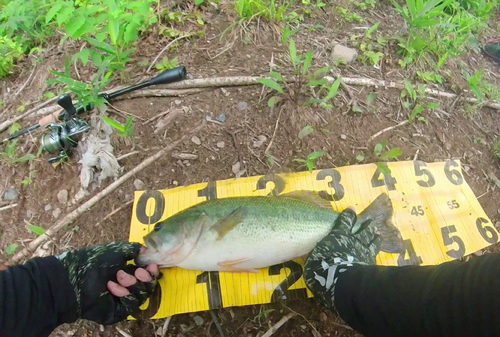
[388, 129]
[165, 326]
[68, 219]
[278, 325]
[8, 123]
[216, 322]
[7, 207]
[114, 212]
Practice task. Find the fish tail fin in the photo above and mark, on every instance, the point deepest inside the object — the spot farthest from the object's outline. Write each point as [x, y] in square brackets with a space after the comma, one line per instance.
[380, 213]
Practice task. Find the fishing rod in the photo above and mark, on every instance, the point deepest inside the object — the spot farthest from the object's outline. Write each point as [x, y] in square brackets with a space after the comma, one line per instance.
[63, 136]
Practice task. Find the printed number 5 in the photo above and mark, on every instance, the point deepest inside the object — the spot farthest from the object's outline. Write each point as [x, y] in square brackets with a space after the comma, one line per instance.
[449, 239]
[420, 170]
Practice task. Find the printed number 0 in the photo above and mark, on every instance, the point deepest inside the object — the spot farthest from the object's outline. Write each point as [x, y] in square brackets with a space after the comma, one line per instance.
[335, 183]
[153, 307]
[487, 232]
[420, 169]
[449, 239]
[282, 291]
[453, 176]
[140, 211]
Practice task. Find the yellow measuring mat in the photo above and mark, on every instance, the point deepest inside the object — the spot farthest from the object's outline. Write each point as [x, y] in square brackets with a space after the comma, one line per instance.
[436, 211]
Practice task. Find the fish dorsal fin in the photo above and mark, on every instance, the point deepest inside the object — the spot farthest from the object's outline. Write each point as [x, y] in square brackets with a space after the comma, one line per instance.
[308, 196]
[226, 224]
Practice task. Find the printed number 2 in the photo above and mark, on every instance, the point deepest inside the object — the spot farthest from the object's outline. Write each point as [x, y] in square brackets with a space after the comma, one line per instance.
[449, 239]
[212, 280]
[413, 259]
[282, 291]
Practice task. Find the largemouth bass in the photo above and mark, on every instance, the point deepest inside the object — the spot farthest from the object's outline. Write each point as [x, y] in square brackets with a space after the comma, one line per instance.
[247, 233]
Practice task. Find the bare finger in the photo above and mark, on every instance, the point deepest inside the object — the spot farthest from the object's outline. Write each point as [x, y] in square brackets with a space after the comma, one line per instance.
[153, 268]
[117, 290]
[125, 279]
[142, 275]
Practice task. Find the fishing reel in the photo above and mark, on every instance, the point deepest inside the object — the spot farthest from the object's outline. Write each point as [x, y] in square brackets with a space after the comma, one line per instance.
[64, 136]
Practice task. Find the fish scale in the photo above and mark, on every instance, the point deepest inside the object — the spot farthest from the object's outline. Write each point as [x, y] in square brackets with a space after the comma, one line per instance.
[247, 233]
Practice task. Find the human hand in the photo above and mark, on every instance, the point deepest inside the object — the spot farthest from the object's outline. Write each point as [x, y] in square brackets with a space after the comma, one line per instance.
[106, 287]
[343, 247]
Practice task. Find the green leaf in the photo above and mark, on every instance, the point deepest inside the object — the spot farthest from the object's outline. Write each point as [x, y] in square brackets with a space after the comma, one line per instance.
[305, 131]
[356, 108]
[370, 98]
[332, 92]
[198, 2]
[113, 123]
[100, 45]
[360, 157]
[307, 62]
[383, 168]
[372, 29]
[410, 89]
[393, 153]
[271, 84]
[276, 75]
[315, 83]
[83, 55]
[11, 249]
[418, 109]
[293, 52]
[315, 155]
[74, 24]
[36, 229]
[271, 102]
[53, 11]
[433, 105]
[113, 29]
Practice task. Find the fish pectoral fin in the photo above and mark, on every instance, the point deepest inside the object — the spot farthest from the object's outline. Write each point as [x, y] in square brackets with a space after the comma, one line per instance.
[229, 265]
[308, 196]
[225, 225]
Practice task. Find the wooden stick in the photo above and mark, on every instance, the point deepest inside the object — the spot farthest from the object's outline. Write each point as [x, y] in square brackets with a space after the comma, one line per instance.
[99, 196]
[165, 326]
[388, 129]
[114, 212]
[8, 123]
[7, 207]
[278, 325]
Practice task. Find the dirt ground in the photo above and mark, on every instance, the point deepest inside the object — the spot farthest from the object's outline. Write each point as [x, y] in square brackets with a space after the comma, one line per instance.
[449, 133]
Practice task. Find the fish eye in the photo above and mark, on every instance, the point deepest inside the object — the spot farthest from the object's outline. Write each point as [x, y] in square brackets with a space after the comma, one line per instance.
[157, 227]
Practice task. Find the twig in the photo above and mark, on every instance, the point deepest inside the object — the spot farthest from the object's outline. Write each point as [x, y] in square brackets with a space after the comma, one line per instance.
[216, 322]
[123, 333]
[155, 117]
[233, 135]
[8, 123]
[166, 47]
[160, 93]
[99, 196]
[114, 212]
[278, 325]
[387, 129]
[25, 83]
[274, 133]
[125, 112]
[127, 155]
[7, 207]
[165, 326]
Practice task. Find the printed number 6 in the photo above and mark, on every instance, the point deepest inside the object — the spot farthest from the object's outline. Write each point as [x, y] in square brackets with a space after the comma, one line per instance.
[448, 239]
[486, 232]
[453, 176]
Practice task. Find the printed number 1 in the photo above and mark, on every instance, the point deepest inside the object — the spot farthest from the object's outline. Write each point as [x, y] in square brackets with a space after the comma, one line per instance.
[212, 280]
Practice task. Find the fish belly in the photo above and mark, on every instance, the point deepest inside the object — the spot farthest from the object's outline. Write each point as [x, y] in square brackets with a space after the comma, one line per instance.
[255, 244]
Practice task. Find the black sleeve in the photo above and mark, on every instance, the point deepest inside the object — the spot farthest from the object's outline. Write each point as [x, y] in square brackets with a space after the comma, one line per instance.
[35, 298]
[452, 299]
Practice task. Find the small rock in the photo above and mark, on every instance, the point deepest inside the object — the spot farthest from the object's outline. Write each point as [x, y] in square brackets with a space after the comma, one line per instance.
[224, 91]
[198, 320]
[221, 118]
[62, 196]
[159, 331]
[56, 213]
[175, 183]
[48, 207]
[127, 197]
[344, 137]
[101, 327]
[185, 328]
[138, 184]
[323, 317]
[221, 145]
[10, 194]
[81, 194]
[29, 214]
[259, 141]
[177, 102]
[303, 327]
[478, 253]
[236, 168]
[343, 54]
[196, 140]
[242, 105]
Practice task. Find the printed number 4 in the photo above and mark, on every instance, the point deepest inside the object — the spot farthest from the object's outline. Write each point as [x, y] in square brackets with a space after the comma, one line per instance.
[417, 210]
